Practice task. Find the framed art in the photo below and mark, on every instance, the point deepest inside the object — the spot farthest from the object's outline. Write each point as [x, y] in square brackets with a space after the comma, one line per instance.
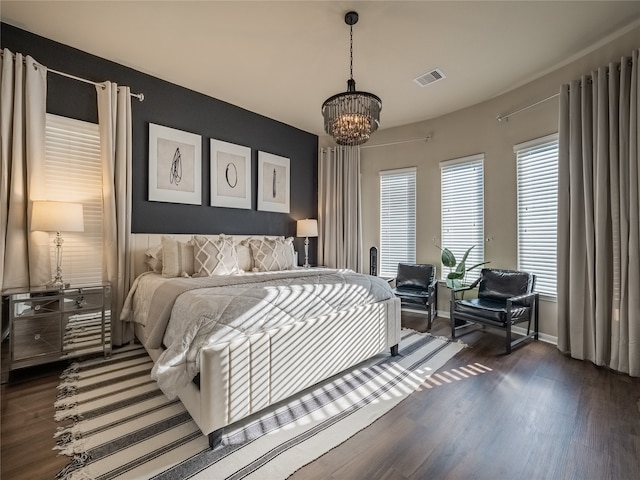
[230, 175]
[175, 165]
[273, 183]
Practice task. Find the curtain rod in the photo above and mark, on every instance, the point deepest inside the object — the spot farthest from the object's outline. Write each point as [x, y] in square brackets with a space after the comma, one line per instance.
[139, 96]
[506, 117]
[589, 79]
[423, 139]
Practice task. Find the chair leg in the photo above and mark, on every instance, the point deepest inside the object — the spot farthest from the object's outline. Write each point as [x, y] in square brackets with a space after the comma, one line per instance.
[429, 318]
[508, 337]
[536, 317]
[453, 325]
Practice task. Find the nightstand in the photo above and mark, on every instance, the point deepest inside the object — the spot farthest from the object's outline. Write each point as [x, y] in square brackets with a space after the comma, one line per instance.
[48, 325]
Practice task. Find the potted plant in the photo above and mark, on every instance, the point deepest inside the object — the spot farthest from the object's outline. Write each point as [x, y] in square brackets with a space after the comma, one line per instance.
[457, 271]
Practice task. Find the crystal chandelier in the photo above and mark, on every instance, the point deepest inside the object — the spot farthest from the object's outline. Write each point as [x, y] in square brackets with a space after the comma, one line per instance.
[351, 117]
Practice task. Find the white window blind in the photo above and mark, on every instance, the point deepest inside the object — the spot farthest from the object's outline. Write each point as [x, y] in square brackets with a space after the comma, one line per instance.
[73, 174]
[397, 219]
[537, 164]
[462, 203]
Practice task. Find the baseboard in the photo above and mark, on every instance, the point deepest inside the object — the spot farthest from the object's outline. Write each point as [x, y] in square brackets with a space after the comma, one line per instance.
[543, 337]
[414, 310]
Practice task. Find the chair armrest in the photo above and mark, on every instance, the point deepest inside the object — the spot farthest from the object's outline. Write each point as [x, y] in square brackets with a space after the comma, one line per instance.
[523, 299]
[458, 290]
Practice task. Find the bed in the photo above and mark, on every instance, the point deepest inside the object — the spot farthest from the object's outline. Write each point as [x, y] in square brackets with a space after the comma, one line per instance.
[232, 341]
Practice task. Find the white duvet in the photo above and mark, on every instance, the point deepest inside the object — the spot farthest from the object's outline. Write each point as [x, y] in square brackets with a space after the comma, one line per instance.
[189, 314]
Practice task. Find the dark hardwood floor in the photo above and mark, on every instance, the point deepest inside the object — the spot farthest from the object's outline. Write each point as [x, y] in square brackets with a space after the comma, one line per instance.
[534, 414]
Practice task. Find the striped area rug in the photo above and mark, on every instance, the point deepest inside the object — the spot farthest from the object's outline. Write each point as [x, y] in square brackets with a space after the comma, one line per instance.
[118, 424]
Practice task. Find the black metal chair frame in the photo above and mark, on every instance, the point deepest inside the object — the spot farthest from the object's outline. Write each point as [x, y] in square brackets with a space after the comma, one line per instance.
[529, 299]
[428, 299]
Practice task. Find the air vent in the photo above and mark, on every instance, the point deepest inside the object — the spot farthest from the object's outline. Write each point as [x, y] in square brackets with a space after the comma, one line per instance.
[430, 77]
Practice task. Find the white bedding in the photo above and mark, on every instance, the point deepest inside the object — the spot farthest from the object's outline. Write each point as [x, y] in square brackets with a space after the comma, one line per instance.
[188, 314]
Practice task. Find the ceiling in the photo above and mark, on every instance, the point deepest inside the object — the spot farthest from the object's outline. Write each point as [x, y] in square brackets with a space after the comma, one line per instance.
[283, 59]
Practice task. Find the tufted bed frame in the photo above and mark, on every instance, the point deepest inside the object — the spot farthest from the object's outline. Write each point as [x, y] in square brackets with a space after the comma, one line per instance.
[243, 376]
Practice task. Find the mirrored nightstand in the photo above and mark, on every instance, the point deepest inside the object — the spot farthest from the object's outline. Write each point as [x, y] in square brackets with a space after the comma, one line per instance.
[49, 325]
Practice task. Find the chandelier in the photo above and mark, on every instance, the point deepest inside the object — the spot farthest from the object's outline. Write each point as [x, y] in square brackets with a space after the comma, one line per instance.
[351, 117]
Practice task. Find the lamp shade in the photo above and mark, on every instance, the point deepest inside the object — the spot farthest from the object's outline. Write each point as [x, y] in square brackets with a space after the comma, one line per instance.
[307, 228]
[57, 217]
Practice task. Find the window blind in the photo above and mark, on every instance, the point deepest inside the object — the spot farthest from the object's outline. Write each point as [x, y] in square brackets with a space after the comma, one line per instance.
[73, 174]
[397, 219]
[537, 177]
[462, 203]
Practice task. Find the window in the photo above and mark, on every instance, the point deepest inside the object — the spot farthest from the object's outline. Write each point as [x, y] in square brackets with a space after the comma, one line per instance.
[73, 174]
[397, 219]
[462, 192]
[537, 163]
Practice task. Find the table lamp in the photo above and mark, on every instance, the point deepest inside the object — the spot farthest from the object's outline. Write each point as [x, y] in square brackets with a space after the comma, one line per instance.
[47, 216]
[307, 228]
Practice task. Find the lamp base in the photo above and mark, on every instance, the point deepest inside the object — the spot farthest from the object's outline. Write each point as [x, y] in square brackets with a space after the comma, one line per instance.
[55, 283]
[306, 253]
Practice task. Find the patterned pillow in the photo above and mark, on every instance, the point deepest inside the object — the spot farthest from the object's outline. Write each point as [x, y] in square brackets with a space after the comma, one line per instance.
[272, 254]
[177, 258]
[153, 258]
[214, 257]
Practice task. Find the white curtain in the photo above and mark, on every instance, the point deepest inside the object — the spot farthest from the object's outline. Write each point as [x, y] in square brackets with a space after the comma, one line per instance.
[599, 218]
[24, 255]
[114, 115]
[339, 208]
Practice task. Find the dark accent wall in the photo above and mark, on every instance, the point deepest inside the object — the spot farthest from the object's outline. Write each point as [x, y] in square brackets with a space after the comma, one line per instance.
[177, 107]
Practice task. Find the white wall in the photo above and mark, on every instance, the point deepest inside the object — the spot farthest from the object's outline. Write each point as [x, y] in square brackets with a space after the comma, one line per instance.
[470, 131]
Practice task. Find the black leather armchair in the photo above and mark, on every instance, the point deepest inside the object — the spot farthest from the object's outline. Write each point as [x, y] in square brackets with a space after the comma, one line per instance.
[417, 287]
[505, 298]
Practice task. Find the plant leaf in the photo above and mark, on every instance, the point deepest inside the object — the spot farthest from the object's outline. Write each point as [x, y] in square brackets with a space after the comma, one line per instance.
[466, 254]
[455, 275]
[476, 266]
[448, 260]
[460, 268]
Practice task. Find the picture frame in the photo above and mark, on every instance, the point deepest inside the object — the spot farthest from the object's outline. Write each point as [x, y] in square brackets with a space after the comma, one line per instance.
[273, 183]
[175, 165]
[230, 175]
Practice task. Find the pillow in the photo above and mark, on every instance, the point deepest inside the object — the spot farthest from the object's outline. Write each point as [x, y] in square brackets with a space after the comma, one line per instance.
[214, 257]
[153, 258]
[177, 258]
[272, 254]
[244, 256]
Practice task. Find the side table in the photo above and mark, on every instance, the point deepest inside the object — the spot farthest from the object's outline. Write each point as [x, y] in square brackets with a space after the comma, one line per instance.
[46, 325]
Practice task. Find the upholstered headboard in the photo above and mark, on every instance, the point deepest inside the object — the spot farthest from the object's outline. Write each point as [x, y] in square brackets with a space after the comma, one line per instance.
[140, 242]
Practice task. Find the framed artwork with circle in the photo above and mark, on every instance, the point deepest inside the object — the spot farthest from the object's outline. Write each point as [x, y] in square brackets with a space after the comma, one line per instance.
[230, 175]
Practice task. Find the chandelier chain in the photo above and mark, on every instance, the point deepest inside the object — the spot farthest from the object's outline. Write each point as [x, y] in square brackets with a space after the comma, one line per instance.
[351, 51]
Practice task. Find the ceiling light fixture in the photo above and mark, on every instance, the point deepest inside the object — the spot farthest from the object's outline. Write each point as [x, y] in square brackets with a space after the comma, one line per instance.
[351, 117]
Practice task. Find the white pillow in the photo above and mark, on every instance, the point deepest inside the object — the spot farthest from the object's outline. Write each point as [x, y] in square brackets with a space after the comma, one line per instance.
[177, 258]
[244, 256]
[272, 254]
[214, 257]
